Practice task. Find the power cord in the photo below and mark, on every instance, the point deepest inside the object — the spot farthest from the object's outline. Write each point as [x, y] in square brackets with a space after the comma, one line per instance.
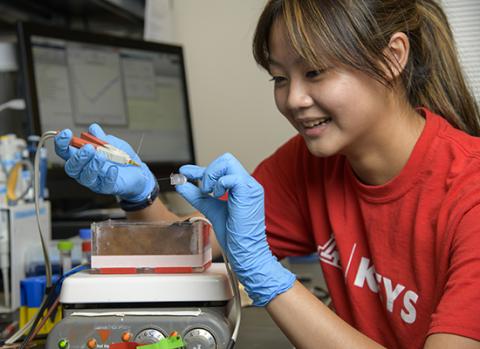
[48, 266]
[236, 293]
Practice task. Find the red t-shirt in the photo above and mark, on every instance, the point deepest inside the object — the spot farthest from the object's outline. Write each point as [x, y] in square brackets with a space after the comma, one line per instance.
[401, 260]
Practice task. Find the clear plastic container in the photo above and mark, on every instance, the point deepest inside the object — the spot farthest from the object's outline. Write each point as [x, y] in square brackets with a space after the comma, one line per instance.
[123, 247]
[65, 248]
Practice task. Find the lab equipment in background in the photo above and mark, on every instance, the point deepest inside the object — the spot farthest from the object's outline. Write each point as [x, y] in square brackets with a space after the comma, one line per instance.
[65, 248]
[18, 237]
[160, 247]
[3, 188]
[86, 245]
[136, 90]
[32, 291]
[32, 145]
[145, 308]
[223, 320]
[8, 59]
[16, 179]
[15, 104]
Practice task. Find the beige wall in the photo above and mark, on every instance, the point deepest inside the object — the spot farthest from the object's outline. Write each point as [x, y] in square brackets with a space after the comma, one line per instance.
[231, 98]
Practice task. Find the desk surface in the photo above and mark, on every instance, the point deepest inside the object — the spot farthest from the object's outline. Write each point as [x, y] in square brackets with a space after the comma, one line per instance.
[257, 330]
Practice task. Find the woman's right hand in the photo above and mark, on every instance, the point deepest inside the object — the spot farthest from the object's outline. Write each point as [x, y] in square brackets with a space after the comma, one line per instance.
[92, 169]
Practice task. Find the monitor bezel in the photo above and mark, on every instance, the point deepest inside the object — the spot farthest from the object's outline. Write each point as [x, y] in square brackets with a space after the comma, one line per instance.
[26, 30]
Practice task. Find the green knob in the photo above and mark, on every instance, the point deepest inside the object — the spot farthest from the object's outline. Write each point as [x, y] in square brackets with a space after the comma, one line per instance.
[63, 344]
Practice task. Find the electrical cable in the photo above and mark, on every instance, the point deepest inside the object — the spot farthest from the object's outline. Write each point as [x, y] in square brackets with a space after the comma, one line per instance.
[238, 306]
[46, 317]
[234, 284]
[48, 266]
[16, 336]
[36, 193]
[50, 299]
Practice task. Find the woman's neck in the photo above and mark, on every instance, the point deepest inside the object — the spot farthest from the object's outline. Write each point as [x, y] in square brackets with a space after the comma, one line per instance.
[388, 149]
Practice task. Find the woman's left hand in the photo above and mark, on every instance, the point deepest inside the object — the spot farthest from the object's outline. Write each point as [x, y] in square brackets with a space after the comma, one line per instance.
[239, 224]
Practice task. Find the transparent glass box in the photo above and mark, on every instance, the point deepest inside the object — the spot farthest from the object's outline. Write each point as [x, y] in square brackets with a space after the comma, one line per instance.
[124, 247]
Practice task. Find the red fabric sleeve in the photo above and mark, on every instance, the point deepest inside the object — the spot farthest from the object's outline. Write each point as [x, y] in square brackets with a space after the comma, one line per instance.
[458, 311]
[286, 209]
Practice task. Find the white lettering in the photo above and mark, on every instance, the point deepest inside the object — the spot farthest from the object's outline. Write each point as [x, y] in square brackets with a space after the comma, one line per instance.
[409, 299]
[328, 253]
[391, 294]
[366, 273]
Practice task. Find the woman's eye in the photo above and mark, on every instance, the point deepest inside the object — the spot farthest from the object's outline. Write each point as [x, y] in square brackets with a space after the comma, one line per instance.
[277, 79]
[314, 73]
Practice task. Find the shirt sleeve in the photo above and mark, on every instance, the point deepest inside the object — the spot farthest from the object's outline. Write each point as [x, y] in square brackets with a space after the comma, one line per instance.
[286, 208]
[458, 311]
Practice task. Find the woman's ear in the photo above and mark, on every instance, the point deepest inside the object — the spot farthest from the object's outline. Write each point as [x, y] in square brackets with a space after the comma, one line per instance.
[397, 53]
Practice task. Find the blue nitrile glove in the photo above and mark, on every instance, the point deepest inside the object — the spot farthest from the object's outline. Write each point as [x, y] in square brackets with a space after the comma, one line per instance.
[94, 171]
[239, 224]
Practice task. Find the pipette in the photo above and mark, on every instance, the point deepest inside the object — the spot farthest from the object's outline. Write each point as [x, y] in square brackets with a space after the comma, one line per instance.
[111, 153]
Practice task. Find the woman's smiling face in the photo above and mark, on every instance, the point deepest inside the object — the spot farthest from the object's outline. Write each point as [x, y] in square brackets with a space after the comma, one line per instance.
[336, 110]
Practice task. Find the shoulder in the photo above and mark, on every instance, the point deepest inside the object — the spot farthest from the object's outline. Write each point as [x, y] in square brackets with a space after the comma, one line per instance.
[454, 166]
[454, 154]
[454, 142]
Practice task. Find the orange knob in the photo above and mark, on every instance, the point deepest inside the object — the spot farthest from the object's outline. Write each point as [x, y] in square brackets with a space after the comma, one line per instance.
[92, 343]
[126, 336]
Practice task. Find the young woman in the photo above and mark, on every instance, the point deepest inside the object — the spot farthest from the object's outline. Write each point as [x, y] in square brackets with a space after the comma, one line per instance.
[383, 180]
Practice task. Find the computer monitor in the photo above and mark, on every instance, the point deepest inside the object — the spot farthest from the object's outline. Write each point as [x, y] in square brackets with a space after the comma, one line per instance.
[136, 90]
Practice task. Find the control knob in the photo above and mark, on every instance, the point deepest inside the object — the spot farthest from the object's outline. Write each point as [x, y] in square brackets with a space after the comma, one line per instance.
[149, 336]
[199, 338]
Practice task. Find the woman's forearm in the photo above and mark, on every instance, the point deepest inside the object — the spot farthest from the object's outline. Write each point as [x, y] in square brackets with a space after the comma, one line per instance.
[308, 323]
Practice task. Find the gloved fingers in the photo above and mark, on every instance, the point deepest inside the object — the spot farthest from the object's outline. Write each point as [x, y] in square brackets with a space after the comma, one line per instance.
[95, 130]
[62, 144]
[237, 185]
[90, 176]
[223, 165]
[193, 195]
[192, 172]
[109, 180]
[196, 198]
[213, 209]
[77, 162]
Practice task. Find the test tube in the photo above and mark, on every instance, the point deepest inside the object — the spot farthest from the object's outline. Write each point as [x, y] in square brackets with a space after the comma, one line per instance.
[86, 237]
[65, 248]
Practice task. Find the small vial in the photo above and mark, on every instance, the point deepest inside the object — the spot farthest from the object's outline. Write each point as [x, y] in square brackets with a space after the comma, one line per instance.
[86, 237]
[65, 248]
[177, 179]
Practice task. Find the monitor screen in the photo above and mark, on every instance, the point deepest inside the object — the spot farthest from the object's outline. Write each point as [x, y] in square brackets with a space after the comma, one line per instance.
[136, 90]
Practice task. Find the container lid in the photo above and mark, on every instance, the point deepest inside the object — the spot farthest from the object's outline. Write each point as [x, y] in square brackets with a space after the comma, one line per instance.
[87, 288]
[85, 233]
[65, 245]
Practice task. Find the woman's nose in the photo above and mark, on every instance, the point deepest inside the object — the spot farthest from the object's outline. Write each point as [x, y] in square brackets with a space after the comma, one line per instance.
[298, 96]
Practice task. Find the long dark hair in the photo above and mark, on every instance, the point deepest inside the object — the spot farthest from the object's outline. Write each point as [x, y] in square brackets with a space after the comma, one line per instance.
[356, 33]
